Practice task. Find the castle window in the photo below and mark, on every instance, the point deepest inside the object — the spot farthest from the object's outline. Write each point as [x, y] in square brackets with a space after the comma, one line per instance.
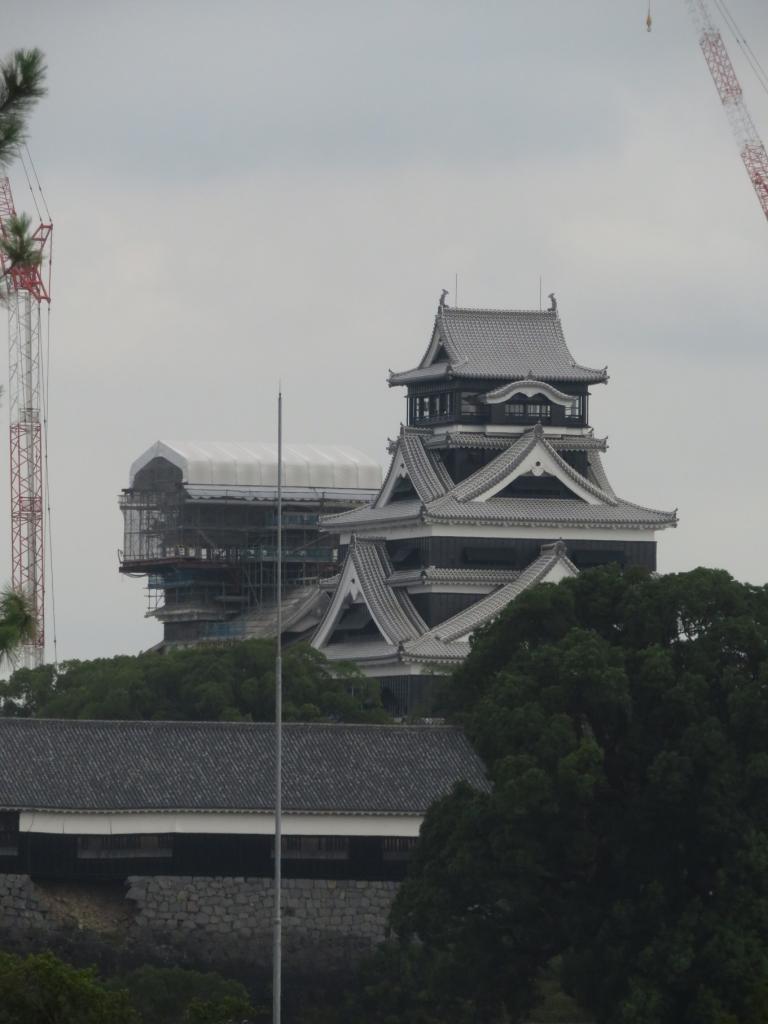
[124, 847]
[576, 408]
[397, 848]
[9, 833]
[315, 847]
[539, 410]
[431, 407]
[536, 408]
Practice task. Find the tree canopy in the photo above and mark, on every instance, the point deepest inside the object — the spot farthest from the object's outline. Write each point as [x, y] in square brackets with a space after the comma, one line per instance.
[41, 987]
[17, 623]
[175, 995]
[22, 84]
[230, 683]
[624, 723]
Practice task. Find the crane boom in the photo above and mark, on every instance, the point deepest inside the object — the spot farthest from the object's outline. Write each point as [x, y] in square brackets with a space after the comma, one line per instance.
[26, 290]
[752, 150]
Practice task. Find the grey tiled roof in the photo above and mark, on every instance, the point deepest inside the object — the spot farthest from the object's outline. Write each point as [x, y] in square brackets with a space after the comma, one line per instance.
[554, 512]
[361, 651]
[495, 470]
[492, 442]
[431, 649]
[438, 574]
[459, 504]
[393, 610]
[500, 467]
[395, 513]
[420, 373]
[228, 766]
[597, 473]
[441, 641]
[427, 473]
[578, 443]
[512, 344]
[298, 603]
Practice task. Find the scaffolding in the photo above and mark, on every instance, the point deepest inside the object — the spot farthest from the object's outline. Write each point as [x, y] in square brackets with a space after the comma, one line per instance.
[200, 526]
[209, 563]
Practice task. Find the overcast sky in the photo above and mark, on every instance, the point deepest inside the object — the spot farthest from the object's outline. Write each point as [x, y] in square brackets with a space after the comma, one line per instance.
[250, 190]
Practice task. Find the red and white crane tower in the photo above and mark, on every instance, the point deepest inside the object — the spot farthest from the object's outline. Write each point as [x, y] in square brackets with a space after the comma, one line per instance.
[729, 89]
[27, 290]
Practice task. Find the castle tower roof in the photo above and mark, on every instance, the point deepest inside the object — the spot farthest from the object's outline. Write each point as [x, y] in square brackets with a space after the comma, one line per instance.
[498, 344]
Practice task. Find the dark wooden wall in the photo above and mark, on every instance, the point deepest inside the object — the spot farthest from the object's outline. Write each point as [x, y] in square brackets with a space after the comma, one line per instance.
[56, 856]
[514, 553]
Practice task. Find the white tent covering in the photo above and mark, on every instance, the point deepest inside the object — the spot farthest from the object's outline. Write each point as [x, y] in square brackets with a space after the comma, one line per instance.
[254, 464]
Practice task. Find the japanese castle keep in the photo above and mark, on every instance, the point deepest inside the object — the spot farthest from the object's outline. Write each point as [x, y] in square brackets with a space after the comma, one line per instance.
[496, 483]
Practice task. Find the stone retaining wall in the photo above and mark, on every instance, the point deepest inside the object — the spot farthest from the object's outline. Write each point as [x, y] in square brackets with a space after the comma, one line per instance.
[21, 909]
[219, 922]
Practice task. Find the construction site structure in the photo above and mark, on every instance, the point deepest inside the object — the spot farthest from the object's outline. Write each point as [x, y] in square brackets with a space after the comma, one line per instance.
[200, 525]
[27, 289]
[751, 148]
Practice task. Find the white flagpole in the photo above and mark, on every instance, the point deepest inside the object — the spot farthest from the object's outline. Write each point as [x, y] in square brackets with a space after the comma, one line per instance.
[278, 924]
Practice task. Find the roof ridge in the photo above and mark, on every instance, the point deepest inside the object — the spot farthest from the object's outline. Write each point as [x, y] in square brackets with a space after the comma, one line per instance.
[593, 488]
[506, 461]
[197, 724]
[506, 312]
[424, 476]
[548, 556]
[395, 614]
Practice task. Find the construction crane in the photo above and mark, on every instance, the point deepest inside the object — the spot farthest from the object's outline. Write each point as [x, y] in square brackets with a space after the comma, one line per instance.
[27, 290]
[719, 63]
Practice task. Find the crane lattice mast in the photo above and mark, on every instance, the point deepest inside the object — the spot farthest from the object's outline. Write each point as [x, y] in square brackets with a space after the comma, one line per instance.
[27, 290]
[729, 89]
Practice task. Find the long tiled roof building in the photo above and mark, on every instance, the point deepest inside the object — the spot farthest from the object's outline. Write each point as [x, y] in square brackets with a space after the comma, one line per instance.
[496, 483]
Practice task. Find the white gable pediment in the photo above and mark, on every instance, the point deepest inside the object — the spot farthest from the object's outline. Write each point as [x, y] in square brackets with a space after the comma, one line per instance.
[398, 477]
[347, 593]
[437, 351]
[541, 460]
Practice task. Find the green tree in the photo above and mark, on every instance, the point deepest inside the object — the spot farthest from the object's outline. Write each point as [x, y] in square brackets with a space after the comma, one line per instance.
[624, 723]
[228, 1010]
[18, 246]
[230, 683]
[17, 623]
[41, 989]
[22, 84]
[174, 995]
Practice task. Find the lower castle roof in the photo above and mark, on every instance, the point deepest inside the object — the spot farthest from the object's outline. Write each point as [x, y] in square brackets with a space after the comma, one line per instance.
[79, 766]
[404, 635]
[440, 643]
[440, 500]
